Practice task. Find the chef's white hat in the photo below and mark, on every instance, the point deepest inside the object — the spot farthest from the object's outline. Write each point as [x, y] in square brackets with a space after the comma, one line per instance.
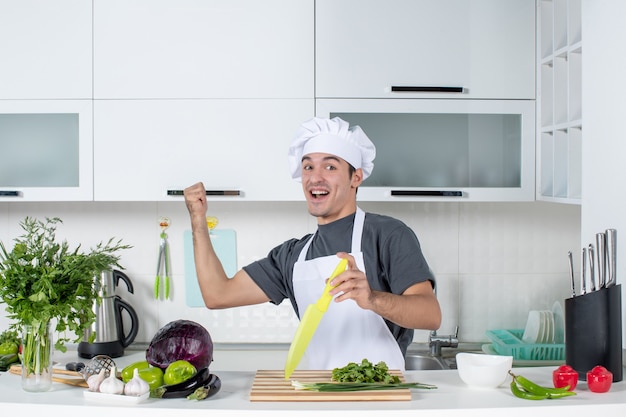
[333, 136]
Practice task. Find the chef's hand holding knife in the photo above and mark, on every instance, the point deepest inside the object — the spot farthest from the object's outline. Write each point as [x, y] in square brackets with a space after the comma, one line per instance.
[352, 284]
[411, 309]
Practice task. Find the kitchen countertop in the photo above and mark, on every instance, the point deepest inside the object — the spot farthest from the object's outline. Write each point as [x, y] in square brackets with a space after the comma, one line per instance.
[452, 397]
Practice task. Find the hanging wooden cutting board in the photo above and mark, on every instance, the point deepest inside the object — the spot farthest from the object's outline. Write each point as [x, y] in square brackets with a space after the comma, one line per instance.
[270, 385]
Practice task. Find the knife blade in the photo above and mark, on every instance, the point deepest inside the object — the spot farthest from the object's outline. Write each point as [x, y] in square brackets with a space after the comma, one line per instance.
[592, 270]
[309, 322]
[583, 273]
[571, 272]
[611, 260]
[601, 258]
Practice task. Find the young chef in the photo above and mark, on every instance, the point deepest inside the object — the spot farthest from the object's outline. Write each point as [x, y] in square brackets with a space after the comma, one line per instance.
[387, 290]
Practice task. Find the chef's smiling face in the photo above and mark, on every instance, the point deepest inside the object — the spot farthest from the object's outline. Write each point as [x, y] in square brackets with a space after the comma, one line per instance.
[329, 187]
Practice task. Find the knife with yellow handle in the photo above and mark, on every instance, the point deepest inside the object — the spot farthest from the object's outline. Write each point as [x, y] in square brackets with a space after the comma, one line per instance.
[310, 320]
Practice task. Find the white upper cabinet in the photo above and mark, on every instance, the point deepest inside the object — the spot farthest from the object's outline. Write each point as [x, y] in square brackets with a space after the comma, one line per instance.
[45, 49]
[452, 150]
[46, 150]
[150, 150]
[200, 90]
[559, 102]
[365, 48]
[203, 49]
[45, 100]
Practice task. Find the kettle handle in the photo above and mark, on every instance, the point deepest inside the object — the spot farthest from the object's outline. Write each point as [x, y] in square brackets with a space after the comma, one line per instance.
[117, 275]
[126, 339]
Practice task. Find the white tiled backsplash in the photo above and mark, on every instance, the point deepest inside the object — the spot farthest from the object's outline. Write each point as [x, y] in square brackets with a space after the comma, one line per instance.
[493, 261]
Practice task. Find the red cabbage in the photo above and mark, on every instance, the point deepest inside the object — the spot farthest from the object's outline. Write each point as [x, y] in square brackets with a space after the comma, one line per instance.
[181, 340]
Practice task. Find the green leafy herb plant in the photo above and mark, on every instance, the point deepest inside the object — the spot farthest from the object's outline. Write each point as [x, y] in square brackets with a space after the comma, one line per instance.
[43, 281]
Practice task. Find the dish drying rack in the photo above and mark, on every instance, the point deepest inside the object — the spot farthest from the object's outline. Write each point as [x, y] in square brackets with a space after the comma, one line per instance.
[509, 343]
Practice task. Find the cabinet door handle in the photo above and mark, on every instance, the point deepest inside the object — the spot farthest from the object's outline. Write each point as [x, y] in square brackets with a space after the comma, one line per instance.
[9, 193]
[425, 89]
[229, 193]
[419, 193]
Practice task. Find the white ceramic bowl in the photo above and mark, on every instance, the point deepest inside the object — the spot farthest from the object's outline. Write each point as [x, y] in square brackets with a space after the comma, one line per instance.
[483, 371]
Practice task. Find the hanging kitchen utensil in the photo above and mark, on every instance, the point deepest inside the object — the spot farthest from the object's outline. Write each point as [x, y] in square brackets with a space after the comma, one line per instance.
[310, 320]
[163, 263]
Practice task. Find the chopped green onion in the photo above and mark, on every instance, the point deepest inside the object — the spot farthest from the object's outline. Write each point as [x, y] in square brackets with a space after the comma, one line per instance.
[357, 386]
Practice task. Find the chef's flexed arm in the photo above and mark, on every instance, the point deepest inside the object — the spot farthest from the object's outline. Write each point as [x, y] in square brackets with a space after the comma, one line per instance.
[416, 308]
[218, 290]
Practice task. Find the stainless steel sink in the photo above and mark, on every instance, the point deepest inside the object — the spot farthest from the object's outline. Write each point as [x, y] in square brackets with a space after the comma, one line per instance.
[419, 356]
[425, 362]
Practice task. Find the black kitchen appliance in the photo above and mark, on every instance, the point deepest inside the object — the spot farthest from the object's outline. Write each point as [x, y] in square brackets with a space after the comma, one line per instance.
[110, 335]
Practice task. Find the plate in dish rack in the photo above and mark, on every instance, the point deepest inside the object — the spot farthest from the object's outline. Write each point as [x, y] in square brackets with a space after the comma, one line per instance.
[559, 323]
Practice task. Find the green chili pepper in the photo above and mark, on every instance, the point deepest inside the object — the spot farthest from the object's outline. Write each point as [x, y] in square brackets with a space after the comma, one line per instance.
[522, 387]
[534, 388]
[525, 395]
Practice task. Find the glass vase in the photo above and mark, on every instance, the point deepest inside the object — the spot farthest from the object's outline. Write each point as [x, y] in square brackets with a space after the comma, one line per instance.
[37, 357]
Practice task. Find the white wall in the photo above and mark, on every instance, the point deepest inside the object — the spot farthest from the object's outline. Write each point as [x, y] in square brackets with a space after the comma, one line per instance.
[493, 261]
[604, 110]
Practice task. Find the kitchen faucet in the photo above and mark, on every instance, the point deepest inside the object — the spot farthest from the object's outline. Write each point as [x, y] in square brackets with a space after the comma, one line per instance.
[436, 342]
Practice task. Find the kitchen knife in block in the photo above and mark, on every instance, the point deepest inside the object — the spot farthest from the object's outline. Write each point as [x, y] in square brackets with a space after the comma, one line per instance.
[310, 320]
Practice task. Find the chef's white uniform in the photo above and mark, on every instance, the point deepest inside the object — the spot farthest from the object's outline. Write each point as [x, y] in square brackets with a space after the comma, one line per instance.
[347, 333]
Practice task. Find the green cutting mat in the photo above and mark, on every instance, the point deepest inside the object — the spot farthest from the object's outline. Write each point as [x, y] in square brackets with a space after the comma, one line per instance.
[225, 245]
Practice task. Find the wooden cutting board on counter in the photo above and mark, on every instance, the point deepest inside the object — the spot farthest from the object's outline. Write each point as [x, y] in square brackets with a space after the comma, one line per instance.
[271, 385]
[60, 375]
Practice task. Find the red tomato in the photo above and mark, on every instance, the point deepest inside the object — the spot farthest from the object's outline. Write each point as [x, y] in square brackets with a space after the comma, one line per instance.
[599, 379]
[563, 376]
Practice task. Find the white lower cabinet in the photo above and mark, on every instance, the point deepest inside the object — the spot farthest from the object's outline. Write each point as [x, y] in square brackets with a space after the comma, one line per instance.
[150, 150]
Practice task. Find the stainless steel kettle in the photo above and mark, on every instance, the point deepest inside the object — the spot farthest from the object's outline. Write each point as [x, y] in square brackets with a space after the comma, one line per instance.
[110, 335]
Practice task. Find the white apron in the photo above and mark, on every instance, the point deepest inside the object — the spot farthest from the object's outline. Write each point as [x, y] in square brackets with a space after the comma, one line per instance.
[347, 333]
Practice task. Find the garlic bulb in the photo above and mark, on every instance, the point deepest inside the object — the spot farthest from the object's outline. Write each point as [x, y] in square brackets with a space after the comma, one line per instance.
[94, 381]
[112, 385]
[136, 387]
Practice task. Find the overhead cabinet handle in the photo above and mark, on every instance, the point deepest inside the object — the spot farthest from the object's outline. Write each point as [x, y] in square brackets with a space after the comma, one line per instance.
[421, 193]
[229, 193]
[425, 89]
[9, 193]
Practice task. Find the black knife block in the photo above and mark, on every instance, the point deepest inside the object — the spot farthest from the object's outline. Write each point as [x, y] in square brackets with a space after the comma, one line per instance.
[593, 331]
